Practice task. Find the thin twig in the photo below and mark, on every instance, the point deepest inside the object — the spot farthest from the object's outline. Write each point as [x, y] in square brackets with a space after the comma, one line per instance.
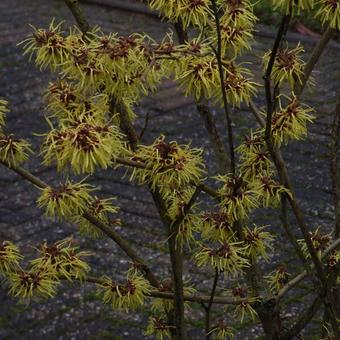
[218, 54]
[146, 123]
[78, 14]
[315, 56]
[214, 136]
[267, 77]
[257, 113]
[208, 307]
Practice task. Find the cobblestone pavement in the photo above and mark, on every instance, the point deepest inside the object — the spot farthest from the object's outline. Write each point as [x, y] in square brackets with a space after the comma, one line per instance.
[76, 313]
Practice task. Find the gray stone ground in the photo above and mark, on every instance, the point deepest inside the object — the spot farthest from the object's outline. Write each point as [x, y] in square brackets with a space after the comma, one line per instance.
[76, 313]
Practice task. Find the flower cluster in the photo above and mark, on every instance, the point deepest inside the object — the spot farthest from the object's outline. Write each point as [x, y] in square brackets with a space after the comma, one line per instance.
[48, 45]
[239, 87]
[277, 279]
[34, 283]
[254, 157]
[198, 75]
[9, 257]
[168, 165]
[68, 200]
[97, 62]
[288, 65]
[269, 191]
[159, 327]
[237, 13]
[101, 209]
[320, 242]
[237, 197]
[293, 7]
[329, 12]
[216, 226]
[13, 151]
[128, 295]
[236, 25]
[83, 145]
[222, 331]
[290, 123]
[197, 72]
[227, 258]
[258, 242]
[3, 111]
[63, 258]
[190, 12]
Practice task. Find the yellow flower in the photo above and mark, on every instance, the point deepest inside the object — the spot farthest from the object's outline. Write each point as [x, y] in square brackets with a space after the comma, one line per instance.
[9, 257]
[234, 39]
[70, 104]
[13, 151]
[320, 242]
[237, 13]
[291, 122]
[222, 331]
[258, 242]
[191, 12]
[176, 199]
[237, 197]
[198, 75]
[268, 190]
[83, 146]
[228, 258]
[277, 279]
[65, 259]
[48, 45]
[84, 66]
[329, 12]
[168, 163]
[33, 284]
[216, 226]
[158, 327]
[128, 295]
[101, 209]
[288, 65]
[293, 7]
[238, 86]
[68, 200]
[3, 111]
[255, 161]
[254, 157]
[244, 309]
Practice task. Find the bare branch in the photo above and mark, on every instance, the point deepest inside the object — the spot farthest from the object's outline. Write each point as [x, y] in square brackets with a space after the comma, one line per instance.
[315, 56]
[78, 14]
[214, 136]
[218, 54]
